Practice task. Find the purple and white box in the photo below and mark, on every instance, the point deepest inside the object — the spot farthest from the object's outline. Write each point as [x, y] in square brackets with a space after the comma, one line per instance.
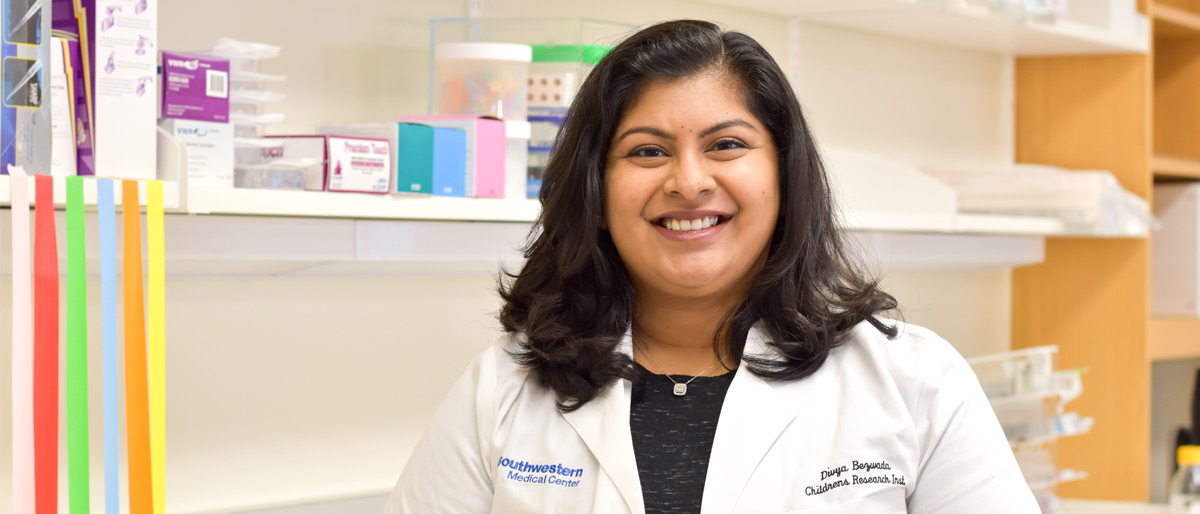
[195, 87]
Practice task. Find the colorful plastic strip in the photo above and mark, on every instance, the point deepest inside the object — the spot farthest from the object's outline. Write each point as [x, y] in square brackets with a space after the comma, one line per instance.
[137, 422]
[156, 340]
[78, 498]
[23, 494]
[45, 348]
[108, 320]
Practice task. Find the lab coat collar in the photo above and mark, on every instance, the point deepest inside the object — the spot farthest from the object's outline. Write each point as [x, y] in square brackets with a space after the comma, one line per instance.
[738, 447]
[603, 424]
[753, 416]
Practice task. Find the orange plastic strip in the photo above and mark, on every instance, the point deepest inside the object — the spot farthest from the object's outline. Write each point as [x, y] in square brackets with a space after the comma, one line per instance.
[137, 417]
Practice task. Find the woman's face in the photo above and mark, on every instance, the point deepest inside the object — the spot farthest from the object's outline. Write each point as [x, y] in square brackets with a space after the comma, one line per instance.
[692, 193]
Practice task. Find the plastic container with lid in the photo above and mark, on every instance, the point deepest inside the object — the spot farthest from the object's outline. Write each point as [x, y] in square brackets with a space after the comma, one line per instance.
[482, 79]
[1184, 495]
[557, 71]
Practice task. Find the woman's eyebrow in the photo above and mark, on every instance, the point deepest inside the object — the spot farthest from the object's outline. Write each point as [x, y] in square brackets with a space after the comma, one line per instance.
[647, 130]
[724, 125]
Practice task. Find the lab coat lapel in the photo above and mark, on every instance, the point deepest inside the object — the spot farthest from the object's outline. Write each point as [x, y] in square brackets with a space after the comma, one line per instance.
[754, 414]
[603, 424]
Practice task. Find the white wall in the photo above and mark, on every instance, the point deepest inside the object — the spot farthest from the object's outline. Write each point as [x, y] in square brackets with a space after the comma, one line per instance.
[286, 390]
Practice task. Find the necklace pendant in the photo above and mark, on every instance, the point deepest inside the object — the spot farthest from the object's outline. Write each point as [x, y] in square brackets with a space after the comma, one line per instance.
[680, 389]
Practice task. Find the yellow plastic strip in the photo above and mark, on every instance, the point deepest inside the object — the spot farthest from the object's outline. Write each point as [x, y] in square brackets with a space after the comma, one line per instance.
[156, 341]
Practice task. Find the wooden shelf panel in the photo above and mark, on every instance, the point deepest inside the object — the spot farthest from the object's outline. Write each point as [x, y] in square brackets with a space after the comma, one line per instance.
[1168, 167]
[1173, 338]
[1172, 22]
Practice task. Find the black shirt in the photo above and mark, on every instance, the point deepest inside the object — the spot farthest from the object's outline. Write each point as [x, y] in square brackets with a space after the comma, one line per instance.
[673, 437]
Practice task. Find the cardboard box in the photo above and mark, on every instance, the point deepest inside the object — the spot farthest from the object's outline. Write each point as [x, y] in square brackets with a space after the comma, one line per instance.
[195, 87]
[209, 151]
[348, 164]
[431, 160]
[486, 147]
[117, 41]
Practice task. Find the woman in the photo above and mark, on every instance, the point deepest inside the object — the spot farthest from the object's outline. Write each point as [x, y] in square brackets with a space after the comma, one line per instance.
[688, 334]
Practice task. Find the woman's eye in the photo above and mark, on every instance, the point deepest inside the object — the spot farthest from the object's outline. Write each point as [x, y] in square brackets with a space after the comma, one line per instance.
[728, 144]
[647, 151]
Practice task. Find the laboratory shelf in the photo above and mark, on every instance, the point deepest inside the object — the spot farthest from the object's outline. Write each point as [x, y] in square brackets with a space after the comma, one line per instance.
[268, 202]
[170, 192]
[1171, 22]
[1175, 168]
[1173, 338]
[965, 27]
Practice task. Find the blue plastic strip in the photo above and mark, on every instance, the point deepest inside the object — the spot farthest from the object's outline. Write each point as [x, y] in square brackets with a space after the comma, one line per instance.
[108, 305]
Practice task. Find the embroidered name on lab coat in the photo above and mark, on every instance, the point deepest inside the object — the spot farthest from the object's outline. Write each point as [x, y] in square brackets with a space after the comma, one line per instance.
[529, 473]
[857, 473]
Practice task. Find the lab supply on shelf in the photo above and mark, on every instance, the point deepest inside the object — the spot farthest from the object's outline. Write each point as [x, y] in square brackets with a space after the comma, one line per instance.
[482, 79]
[557, 71]
[544, 124]
[1175, 269]
[209, 151]
[195, 87]
[543, 129]
[535, 169]
[247, 86]
[251, 101]
[486, 149]
[1028, 397]
[351, 164]
[431, 160]
[516, 158]
[427, 161]
[122, 76]
[876, 192]
[1088, 202]
[26, 134]
[1184, 495]
[63, 159]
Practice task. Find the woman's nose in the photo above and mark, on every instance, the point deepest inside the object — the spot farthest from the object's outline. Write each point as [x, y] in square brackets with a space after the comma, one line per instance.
[690, 177]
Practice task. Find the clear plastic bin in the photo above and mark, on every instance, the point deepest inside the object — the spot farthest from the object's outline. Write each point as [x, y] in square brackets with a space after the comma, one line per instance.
[560, 33]
[1018, 373]
[482, 79]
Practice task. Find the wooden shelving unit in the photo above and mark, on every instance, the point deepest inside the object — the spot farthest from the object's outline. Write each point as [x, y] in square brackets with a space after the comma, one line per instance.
[1167, 167]
[1172, 22]
[1174, 338]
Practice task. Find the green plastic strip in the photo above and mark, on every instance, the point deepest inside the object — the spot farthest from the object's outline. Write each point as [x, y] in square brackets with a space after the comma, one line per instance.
[77, 358]
[586, 54]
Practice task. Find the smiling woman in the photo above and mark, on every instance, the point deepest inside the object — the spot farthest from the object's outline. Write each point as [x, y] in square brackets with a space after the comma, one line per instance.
[688, 332]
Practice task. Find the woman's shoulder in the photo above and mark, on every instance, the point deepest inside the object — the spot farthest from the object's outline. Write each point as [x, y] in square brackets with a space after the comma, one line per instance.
[919, 362]
[913, 349]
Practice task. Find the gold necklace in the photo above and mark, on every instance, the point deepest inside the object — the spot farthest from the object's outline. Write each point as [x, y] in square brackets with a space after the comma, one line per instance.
[679, 389]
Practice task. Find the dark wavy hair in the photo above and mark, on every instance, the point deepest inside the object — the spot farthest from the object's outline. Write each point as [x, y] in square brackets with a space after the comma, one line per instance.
[572, 301]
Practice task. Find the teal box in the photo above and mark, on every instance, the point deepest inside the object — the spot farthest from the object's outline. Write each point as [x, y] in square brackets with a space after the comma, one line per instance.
[430, 160]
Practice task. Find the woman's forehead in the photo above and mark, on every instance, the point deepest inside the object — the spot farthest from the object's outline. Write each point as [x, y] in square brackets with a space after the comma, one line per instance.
[690, 103]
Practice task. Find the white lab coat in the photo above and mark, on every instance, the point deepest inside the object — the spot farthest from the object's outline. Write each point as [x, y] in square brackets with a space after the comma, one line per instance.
[908, 413]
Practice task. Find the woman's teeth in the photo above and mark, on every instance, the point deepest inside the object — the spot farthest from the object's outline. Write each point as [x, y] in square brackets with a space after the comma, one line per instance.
[687, 225]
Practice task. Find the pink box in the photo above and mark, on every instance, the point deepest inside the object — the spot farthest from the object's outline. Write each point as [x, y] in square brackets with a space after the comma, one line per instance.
[486, 145]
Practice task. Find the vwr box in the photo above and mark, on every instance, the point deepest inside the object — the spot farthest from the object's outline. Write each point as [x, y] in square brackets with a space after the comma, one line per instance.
[1176, 251]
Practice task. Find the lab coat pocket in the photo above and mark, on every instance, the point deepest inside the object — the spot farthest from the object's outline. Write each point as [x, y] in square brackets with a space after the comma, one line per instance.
[888, 501]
